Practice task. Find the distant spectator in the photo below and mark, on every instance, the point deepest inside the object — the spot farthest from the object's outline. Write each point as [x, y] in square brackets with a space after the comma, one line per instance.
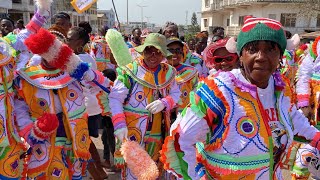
[19, 26]
[135, 41]
[62, 19]
[170, 29]
[7, 26]
[182, 38]
[218, 33]
[288, 34]
[144, 34]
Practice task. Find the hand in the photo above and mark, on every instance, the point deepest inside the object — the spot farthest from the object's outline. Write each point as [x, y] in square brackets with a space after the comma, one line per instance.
[314, 166]
[121, 134]
[155, 107]
[89, 75]
[306, 111]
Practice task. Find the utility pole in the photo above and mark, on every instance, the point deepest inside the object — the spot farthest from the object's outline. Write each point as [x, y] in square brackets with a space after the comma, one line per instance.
[127, 12]
[187, 18]
[141, 14]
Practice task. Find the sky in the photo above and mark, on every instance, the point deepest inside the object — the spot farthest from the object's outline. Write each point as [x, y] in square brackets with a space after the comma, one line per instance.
[158, 11]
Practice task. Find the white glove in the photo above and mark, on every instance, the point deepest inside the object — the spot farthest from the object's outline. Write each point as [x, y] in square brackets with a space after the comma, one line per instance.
[314, 167]
[155, 107]
[89, 75]
[121, 134]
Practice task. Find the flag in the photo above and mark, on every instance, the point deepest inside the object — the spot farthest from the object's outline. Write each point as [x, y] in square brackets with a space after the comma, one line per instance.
[82, 5]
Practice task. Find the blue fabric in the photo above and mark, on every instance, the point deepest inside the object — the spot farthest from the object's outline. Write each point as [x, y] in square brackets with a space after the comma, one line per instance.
[80, 70]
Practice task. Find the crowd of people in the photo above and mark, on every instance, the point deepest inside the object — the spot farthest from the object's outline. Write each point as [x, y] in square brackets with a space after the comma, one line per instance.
[242, 107]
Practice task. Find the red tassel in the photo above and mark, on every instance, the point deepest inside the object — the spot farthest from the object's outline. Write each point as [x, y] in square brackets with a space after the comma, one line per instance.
[63, 57]
[41, 42]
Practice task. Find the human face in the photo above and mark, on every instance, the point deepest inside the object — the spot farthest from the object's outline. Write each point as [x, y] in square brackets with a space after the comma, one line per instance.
[152, 57]
[74, 42]
[136, 36]
[63, 22]
[192, 45]
[177, 51]
[201, 45]
[219, 33]
[171, 31]
[19, 25]
[223, 60]
[260, 60]
[6, 27]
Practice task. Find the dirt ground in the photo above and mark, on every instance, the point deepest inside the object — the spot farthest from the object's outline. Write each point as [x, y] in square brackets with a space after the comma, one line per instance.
[116, 176]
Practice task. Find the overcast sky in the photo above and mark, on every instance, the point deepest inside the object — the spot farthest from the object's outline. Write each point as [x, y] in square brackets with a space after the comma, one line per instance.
[159, 11]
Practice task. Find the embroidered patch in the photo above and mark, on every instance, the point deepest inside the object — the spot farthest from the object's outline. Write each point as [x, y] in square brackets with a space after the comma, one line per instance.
[247, 127]
[72, 95]
[56, 172]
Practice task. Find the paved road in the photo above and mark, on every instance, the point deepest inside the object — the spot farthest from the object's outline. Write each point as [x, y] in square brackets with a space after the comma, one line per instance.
[116, 176]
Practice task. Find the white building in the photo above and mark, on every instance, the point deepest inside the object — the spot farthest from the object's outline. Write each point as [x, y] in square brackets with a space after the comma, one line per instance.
[21, 9]
[230, 14]
[5, 5]
[111, 17]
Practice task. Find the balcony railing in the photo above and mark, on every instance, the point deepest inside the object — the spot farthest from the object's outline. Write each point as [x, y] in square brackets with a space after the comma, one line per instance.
[234, 30]
[219, 4]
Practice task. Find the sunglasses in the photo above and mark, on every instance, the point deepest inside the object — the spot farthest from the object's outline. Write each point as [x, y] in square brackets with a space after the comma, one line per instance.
[151, 51]
[228, 58]
[176, 51]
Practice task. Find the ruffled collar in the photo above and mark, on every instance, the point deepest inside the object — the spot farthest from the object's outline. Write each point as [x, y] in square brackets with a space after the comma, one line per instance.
[251, 88]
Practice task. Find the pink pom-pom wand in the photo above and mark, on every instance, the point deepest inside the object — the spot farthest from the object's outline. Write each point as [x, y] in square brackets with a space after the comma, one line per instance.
[139, 161]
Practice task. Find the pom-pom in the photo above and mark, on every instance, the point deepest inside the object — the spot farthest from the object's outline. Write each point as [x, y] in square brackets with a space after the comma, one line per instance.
[118, 47]
[293, 42]
[79, 71]
[41, 42]
[139, 161]
[231, 45]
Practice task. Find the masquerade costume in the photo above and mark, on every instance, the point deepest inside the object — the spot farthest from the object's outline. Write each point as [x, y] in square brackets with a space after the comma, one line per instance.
[237, 129]
[51, 114]
[136, 87]
[307, 89]
[11, 145]
[101, 51]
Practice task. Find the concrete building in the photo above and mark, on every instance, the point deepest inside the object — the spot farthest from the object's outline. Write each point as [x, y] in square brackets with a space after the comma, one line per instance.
[89, 15]
[111, 17]
[102, 20]
[21, 9]
[5, 5]
[230, 14]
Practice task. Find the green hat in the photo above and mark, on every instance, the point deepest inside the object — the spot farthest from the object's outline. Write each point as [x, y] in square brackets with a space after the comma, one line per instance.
[156, 40]
[256, 29]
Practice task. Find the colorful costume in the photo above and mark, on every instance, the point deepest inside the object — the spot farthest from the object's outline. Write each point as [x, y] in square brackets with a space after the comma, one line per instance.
[11, 146]
[135, 87]
[187, 79]
[307, 96]
[100, 50]
[195, 61]
[244, 140]
[232, 128]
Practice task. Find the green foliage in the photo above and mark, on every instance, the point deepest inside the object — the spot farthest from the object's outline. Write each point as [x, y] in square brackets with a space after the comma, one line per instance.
[192, 29]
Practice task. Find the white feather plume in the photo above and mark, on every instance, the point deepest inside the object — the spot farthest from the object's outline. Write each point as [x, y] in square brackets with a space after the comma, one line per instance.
[43, 4]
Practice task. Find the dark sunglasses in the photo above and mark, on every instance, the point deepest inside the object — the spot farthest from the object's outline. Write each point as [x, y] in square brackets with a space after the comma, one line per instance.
[176, 51]
[228, 58]
[151, 51]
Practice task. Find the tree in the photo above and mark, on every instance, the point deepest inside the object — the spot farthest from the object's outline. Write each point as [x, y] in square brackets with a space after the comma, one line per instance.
[193, 28]
[309, 9]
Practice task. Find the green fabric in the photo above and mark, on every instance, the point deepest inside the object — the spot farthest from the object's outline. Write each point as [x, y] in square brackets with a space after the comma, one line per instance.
[183, 165]
[156, 40]
[262, 32]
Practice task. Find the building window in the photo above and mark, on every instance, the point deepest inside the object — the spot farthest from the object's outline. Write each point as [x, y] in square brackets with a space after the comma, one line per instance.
[207, 3]
[228, 22]
[318, 20]
[17, 1]
[273, 16]
[241, 20]
[205, 22]
[288, 19]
